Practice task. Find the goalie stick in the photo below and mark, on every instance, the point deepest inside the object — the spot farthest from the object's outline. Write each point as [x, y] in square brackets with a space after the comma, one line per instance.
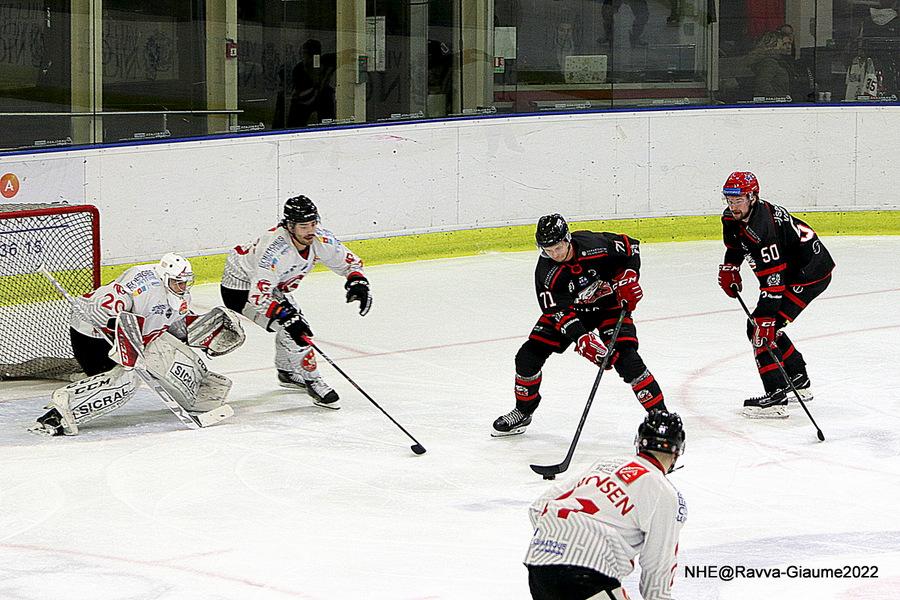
[132, 331]
[551, 471]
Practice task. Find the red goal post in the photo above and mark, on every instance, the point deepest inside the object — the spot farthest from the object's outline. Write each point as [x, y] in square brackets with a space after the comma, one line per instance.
[34, 337]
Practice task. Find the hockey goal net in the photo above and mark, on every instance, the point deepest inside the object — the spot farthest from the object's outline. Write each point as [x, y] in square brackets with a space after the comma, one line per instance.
[34, 337]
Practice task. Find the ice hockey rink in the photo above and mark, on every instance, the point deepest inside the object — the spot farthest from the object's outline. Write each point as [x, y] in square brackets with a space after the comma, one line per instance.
[288, 500]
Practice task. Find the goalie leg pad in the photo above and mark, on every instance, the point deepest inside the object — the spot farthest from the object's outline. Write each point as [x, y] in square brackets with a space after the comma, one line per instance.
[182, 373]
[212, 393]
[92, 397]
[219, 331]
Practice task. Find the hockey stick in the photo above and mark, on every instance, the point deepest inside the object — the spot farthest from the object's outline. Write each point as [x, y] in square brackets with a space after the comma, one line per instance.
[417, 447]
[551, 471]
[192, 421]
[784, 374]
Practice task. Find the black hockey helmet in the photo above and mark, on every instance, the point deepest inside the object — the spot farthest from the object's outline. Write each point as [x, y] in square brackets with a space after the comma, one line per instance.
[299, 209]
[551, 230]
[661, 432]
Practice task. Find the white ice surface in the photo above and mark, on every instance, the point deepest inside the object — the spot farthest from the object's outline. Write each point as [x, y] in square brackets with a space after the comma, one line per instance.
[287, 500]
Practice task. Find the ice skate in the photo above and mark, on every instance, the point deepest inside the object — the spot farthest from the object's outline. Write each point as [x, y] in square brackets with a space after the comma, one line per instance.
[322, 394]
[58, 420]
[768, 406]
[801, 384]
[512, 423]
[289, 380]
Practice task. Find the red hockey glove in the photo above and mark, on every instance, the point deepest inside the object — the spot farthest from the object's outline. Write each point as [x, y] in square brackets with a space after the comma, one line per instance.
[627, 288]
[764, 334]
[591, 347]
[730, 275]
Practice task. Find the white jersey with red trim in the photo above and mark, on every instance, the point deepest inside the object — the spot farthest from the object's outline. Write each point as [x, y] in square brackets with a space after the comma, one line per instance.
[272, 266]
[618, 509]
[138, 290]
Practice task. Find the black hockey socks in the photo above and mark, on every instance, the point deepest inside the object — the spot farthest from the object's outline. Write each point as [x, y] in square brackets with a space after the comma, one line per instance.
[648, 392]
[791, 357]
[527, 395]
[768, 369]
[634, 372]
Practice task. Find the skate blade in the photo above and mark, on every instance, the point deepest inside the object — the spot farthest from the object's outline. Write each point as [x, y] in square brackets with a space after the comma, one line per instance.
[293, 386]
[336, 405]
[43, 431]
[775, 412]
[514, 431]
[805, 395]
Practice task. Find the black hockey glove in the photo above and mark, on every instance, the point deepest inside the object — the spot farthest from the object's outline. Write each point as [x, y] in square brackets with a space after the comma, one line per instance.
[279, 312]
[358, 290]
[298, 329]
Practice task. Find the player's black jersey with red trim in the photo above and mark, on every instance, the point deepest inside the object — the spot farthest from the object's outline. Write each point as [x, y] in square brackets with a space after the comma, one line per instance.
[584, 283]
[781, 249]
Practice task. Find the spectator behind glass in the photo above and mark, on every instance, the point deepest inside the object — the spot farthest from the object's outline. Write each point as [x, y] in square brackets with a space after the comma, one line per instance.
[772, 72]
[787, 30]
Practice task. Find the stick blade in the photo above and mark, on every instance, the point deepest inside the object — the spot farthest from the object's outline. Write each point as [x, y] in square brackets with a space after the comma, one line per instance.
[215, 415]
[547, 471]
[418, 448]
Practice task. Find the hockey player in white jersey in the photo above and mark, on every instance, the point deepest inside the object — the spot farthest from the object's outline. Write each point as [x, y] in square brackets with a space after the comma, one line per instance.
[259, 276]
[587, 533]
[157, 297]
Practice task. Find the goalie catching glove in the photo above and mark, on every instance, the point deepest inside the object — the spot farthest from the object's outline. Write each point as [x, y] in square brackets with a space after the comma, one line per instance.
[217, 332]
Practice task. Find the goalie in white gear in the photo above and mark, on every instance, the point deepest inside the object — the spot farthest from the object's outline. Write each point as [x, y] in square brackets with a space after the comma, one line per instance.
[259, 277]
[157, 297]
[588, 533]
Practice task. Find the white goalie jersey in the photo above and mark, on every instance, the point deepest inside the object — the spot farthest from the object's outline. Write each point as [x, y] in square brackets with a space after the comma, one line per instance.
[138, 290]
[620, 508]
[272, 266]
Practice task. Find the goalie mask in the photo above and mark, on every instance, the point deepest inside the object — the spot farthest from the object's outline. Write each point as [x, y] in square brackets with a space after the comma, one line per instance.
[661, 432]
[176, 274]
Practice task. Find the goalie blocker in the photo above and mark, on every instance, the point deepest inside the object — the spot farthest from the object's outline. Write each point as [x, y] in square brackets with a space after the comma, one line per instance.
[174, 366]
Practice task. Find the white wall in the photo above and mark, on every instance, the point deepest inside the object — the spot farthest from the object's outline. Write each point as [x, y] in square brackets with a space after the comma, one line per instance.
[204, 196]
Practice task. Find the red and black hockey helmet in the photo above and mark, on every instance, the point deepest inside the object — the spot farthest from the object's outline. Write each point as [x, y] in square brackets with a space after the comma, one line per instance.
[661, 432]
[300, 209]
[551, 230]
[740, 183]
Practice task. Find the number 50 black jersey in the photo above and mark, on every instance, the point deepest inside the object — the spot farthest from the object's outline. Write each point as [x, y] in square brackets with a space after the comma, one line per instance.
[781, 249]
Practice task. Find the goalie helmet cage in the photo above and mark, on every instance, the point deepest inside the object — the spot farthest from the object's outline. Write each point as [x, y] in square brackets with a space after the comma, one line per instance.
[34, 335]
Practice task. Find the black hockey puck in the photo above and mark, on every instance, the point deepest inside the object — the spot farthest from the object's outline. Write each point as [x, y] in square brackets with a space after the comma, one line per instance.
[550, 476]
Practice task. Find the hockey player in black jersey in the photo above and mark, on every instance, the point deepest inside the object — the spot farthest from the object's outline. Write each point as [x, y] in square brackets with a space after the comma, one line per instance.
[793, 267]
[581, 280]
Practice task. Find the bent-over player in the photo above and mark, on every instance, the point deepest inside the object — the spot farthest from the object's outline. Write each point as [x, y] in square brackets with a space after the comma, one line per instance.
[588, 533]
[158, 297]
[582, 280]
[259, 276]
[793, 267]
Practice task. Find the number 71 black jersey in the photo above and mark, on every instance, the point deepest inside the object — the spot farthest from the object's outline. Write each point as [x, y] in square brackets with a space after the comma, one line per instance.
[781, 249]
[584, 283]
